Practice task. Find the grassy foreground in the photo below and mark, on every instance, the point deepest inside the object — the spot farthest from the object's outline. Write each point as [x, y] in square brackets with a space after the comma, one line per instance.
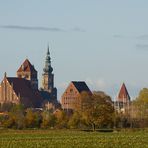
[71, 139]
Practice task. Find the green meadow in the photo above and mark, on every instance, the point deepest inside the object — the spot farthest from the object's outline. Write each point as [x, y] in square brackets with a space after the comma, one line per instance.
[72, 139]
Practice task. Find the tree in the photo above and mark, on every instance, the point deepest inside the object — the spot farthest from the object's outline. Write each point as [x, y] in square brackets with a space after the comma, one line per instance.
[48, 120]
[32, 119]
[140, 107]
[75, 120]
[15, 118]
[97, 110]
[62, 119]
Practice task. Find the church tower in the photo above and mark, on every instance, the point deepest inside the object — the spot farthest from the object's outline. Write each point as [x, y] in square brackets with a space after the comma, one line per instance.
[28, 72]
[123, 95]
[123, 100]
[48, 78]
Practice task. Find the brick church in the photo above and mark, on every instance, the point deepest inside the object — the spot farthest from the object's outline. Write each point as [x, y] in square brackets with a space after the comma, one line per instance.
[23, 89]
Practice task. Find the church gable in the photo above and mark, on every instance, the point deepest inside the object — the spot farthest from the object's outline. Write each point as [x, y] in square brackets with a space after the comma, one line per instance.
[7, 92]
[70, 98]
[27, 67]
[71, 91]
[28, 72]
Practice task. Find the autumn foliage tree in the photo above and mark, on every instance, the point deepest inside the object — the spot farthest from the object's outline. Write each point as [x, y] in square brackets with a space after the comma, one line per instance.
[75, 120]
[96, 110]
[140, 108]
[15, 118]
[48, 120]
[32, 119]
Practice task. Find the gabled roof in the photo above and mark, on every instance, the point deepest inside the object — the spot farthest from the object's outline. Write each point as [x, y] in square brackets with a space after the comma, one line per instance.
[81, 86]
[123, 94]
[26, 67]
[22, 88]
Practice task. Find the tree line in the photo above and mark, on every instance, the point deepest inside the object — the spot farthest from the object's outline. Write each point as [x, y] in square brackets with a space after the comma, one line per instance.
[93, 112]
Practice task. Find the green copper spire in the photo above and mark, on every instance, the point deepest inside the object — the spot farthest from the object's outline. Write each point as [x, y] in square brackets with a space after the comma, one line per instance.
[48, 68]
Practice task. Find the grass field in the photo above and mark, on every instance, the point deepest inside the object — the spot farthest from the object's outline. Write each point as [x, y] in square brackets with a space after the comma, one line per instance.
[71, 139]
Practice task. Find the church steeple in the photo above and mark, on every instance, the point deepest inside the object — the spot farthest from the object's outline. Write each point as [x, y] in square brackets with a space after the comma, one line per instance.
[123, 95]
[49, 92]
[48, 76]
[48, 50]
[48, 68]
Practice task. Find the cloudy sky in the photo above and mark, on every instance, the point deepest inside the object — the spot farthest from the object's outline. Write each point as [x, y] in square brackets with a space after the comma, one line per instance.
[103, 42]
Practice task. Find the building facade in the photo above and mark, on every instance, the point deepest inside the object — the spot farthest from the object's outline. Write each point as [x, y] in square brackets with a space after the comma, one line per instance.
[7, 93]
[71, 97]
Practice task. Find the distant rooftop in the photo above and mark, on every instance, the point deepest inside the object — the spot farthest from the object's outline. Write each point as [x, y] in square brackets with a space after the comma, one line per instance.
[123, 94]
[27, 67]
[81, 86]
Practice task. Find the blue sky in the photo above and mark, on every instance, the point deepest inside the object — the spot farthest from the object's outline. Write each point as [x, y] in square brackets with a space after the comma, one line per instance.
[104, 42]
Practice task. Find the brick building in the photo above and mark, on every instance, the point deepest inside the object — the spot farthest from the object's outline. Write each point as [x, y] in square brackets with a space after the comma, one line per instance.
[28, 72]
[22, 89]
[71, 96]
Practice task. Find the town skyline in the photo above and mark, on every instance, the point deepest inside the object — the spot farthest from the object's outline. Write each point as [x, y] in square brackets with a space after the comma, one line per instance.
[104, 47]
[66, 84]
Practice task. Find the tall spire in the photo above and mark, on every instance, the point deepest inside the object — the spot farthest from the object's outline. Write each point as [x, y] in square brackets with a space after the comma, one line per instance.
[48, 68]
[49, 91]
[48, 53]
[5, 74]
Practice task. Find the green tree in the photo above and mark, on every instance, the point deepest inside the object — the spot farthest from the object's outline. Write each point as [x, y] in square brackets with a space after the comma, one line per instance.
[62, 119]
[75, 120]
[48, 120]
[32, 119]
[15, 118]
[97, 110]
[140, 107]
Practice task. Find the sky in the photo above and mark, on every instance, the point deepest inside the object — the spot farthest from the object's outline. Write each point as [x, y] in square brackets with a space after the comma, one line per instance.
[102, 42]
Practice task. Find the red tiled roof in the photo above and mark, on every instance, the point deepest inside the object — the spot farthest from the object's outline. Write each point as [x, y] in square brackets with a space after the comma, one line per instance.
[123, 95]
[22, 88]
[27, 67]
